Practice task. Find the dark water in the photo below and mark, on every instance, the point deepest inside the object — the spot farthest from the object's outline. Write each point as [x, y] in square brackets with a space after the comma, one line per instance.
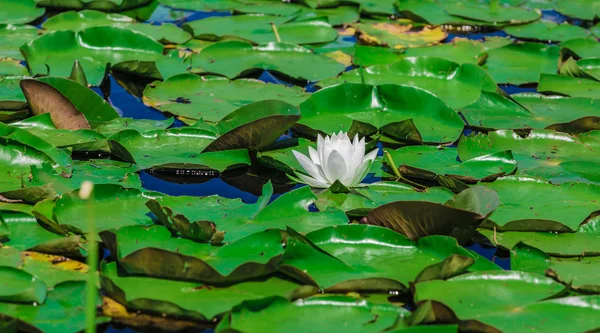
[226, 185]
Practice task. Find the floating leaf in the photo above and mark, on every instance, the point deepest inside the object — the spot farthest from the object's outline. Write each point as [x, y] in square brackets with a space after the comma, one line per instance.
[54, 53]
[582, 9]
[398, 36]
[21, 287]
[584, 48]
[19, 11]
[259, 29]
[403, 112]
[521, 63]
[322, 259]
[555, 156]
[103, 5]
[496, 15]
[457, 85]
[547, 31]
[76, 21]
[192, 98]
[187, 299]
[458, 217]
[12, 37]
[236, 58]
[569, 86]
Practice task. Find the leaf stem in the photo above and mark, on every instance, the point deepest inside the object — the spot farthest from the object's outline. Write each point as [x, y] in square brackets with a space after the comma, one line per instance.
[392, 165]
[276, 32]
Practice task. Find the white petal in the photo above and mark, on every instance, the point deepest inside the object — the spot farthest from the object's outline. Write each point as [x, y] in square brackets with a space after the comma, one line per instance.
[312, 182]
[361, 173]
[372, 155]
[359, 153]
[335, 169]
[308, 165]
[314, 155]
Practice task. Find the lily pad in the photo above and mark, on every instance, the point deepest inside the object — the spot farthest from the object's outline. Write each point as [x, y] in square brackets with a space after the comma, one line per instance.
[187, 299]
[496, 14]
[127, 207]
[457, 85]
[322, 259]
[459, 51]
[569, 86]
[326, 312]
[553, 238]
[103, 5]
[582, 9]
[95, 48]
[555, 156]
[60, 312]
[583, 47]
[75, 21]
[518, 290]
[174, 148]
[155, 252]
[19, 11]
[398, 36]
[403, 112]
[535, 111]
[259, 29]
[21, 287]
[12, 37]
[547, 31]
[578, 272]
[537, 200]
[429, 163]
[522, 63]
[192, 97]
[236, 59]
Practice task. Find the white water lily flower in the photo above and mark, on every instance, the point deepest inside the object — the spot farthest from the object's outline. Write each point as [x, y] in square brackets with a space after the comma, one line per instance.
[336, 158]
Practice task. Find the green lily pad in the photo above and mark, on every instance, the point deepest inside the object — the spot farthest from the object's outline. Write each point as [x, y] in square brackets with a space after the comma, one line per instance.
[236, 59]
[428, 162]
[258, 29]
[75, 21]
[582, 9]
[457, 85]
[326, 313]
[60, 312]
[141, 125]
[127, 207]
[569, 86]
[535, 111]
[153, 251]
[579, 273]
[174, 148]
[187, 299]
[191, 97]
[403, 112]
[459, 51]
[103, 5]
[322, 259]
[583, 47]
[288, 210]
[201, 5]
[433, 12]
[398, 36]
[95, 48]
[12, 37]
[41, 271]
[497, 15]
[527, 199]
[553, 238]
[522, 63]
[20, 287]
[12, 100]
[547, 31]
[19, 11]
[517, 290]
[555, 156]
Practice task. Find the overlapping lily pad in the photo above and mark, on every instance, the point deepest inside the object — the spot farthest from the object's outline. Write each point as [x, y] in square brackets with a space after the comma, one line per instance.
[188, 299]
[19, 11]
[259, 29]
[213, 98]
[522, 63]
[584, 9]
[237, 59]
[400, 111]
[398, 36]
[320, 259]
[557, 157]
[76, 21]
[457, 85]
[95, 47]
[547, 31]
[569, 86]
[103, 5]
[13, 36]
